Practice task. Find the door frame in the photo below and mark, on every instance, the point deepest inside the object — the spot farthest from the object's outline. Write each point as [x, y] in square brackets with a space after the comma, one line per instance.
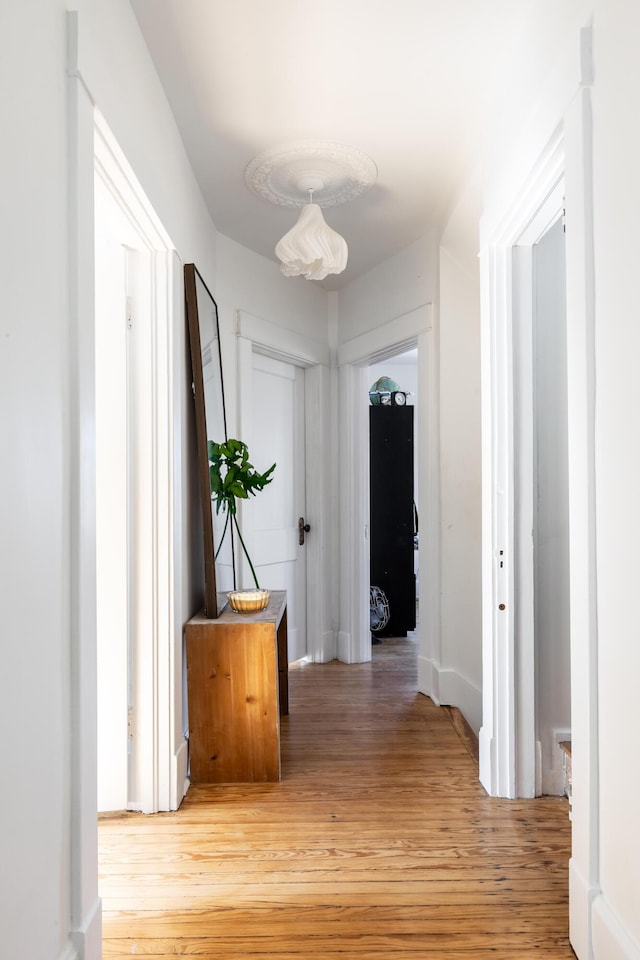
[257, 335]
[159, 765]
[569, 153]
[418, 328]
[508, 734]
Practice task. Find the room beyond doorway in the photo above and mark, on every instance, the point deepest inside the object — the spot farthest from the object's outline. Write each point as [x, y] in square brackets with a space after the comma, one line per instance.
[393, 494]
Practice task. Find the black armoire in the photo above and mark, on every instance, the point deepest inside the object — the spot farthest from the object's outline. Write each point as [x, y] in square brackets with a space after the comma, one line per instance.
[391, 517]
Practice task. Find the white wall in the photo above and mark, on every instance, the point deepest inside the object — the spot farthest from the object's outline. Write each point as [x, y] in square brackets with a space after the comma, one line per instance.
[116, 67]
[251, 283]
[460, 668]
[34, 484]
[617, 215]
[460, 523]
[390, 290]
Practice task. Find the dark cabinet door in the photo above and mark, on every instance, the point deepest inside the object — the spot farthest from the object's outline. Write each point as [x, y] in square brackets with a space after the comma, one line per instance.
[392, 514]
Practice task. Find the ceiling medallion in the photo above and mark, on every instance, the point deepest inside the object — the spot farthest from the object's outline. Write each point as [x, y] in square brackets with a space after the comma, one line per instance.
[296, 175]
[340, 173]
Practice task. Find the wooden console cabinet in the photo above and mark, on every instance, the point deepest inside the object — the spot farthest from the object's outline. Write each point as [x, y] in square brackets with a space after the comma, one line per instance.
[237, 685]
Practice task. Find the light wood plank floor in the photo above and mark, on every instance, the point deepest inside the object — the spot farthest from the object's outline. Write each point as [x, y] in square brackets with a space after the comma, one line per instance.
[379, 843]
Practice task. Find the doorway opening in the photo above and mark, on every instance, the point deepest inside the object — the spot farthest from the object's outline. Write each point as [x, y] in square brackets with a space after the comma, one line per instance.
[115, 268]
[393, 495]
[526, 706]
[141, 762]
[417, 331]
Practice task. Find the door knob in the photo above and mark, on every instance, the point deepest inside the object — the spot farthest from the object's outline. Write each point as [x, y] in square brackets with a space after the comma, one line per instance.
[302, 529]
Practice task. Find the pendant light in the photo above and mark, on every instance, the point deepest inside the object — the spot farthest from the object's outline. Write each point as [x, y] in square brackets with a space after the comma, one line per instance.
[335, 173]
[311, 249]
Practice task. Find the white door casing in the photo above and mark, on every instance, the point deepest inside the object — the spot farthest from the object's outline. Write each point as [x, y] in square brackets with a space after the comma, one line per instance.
[415, 329]
[158, 770]
[508, 735]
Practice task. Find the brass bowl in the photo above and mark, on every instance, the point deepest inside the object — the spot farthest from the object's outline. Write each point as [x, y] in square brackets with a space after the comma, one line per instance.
[248, 601]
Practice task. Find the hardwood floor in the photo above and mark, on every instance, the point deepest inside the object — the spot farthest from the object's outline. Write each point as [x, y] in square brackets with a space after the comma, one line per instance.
[379, 843]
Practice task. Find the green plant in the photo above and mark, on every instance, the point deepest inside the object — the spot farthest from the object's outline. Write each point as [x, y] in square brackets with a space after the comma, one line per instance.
[232, 477]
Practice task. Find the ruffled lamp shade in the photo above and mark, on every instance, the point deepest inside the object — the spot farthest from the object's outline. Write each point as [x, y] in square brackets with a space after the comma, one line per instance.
[311, 249]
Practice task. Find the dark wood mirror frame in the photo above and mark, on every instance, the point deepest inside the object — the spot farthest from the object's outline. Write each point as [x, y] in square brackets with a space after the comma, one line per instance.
[205, 429]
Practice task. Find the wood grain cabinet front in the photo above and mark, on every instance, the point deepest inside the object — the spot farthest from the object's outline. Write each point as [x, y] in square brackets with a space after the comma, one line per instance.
[237, 685]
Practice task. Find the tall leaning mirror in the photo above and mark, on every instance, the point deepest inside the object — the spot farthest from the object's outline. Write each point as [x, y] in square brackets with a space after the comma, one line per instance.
[210, 418]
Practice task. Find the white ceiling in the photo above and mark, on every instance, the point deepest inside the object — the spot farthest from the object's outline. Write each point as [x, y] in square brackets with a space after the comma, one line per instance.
[409, 82]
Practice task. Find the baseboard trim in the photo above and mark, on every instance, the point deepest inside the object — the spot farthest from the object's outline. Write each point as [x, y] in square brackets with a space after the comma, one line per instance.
[486, 746]
[610, 938]
[69, 952]
[579, 910]
[344, 646]
[328, 649]
[329, 646]
[447, 686]
[180, 778]
[86, 940]
[553, 776]
[464, 731]
[428, 678]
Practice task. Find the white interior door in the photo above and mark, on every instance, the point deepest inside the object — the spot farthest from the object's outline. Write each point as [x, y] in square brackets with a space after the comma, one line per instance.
[270, 520]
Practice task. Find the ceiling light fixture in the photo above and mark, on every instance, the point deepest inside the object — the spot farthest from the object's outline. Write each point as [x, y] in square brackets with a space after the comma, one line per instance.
[337, 173]
[311, 249]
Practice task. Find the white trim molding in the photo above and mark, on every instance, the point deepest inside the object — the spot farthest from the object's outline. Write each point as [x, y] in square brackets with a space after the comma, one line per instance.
[507, 736]
[417, 328]
[428, 453]
[87, 938]
[156, 784]
[354, 633]
[281, 343]
[389, 339]
[69, 952]
[83, 882]
[610, 938]
[584, 866]
[451, 687]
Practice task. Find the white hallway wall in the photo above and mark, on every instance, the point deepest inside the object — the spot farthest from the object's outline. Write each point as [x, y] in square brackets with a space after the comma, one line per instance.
[34, 557]
[617, 215]
[250, 283]
[460, 467]
[605, 884]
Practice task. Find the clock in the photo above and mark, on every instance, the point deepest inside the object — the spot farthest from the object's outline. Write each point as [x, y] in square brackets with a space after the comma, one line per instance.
[399, 398]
